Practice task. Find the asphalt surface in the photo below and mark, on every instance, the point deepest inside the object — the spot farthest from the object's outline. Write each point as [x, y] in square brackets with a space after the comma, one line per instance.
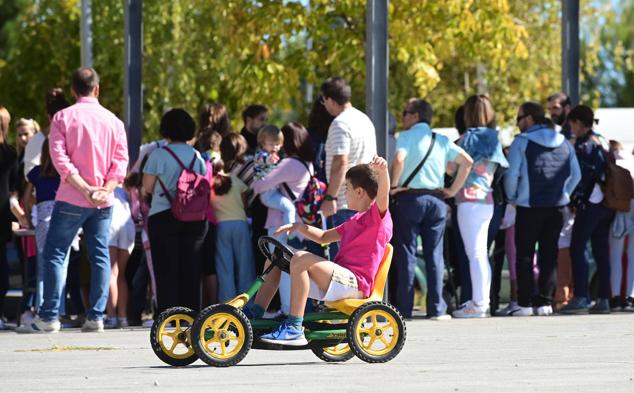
[530, 354]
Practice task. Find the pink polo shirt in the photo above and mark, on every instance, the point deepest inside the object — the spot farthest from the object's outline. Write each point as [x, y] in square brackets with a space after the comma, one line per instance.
[89, 140]
[363, 240]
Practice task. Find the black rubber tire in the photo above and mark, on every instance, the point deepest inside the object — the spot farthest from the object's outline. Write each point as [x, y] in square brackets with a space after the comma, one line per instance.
[198, 324]
[354, 319]
[330, 358]
[156, 345]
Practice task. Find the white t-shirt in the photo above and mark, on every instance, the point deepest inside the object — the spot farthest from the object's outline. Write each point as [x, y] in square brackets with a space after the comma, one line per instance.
[351, 134]
[33, 152]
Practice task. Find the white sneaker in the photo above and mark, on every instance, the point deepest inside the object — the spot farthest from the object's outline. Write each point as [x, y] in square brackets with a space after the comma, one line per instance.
[522, 312]
[3, 326]
[508, 310]
[92, 326]
[39, 326]
[471, 310]
[543, 311]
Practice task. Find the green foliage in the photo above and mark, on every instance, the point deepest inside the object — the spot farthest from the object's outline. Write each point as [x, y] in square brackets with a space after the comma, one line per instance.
[239, 52]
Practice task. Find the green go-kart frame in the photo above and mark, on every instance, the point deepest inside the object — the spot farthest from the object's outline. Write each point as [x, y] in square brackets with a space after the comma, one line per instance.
[221, 335]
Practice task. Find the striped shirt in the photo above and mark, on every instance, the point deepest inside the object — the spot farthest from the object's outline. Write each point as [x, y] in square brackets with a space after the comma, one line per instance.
[246, 173]
[350, 134]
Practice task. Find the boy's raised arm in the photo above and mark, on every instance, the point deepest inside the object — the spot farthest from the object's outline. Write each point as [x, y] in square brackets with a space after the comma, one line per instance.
[379, 165]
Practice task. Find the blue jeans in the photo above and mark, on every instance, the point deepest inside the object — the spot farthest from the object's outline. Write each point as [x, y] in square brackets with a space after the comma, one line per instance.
[65, 222]
[592, 223]
[235, 265]
[274, 199]
[334, 221]
[424, 216]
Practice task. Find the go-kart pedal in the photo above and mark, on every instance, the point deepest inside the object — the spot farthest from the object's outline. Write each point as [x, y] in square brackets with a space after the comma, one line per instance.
[286, 334]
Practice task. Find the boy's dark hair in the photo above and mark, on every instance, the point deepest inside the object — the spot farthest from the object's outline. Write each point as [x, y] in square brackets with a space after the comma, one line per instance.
[253, 111]
[84, 80]
[337, 89]
[582, 113]
[177, 125]
[222, 183]
[363, 176]
[55, 101]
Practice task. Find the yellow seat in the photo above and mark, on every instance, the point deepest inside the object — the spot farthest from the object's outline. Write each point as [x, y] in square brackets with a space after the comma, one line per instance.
[347, 306]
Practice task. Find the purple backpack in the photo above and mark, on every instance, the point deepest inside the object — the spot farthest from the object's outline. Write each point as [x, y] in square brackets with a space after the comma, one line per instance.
[192, 193]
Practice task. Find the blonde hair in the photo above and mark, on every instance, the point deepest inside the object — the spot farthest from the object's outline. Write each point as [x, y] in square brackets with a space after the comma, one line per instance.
[271, 132]
[479, 112]
[5, 120]
[27, 123]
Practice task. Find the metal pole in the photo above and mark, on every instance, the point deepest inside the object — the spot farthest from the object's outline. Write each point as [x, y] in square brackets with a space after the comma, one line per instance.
[376, 63]
[570, 49]
[85, 32]
[133, 78]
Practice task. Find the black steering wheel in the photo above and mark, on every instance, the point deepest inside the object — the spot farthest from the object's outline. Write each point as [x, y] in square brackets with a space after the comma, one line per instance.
[275, 251]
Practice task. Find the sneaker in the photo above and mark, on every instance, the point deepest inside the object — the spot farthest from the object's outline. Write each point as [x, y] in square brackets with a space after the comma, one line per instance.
[3, 326]
[616, 304]
[629, 304]
[543, 311]
[26, 319]
[147, 323]
[286, 334]
[123, 322]
[577, 305]
[92, 326]
[508, 310]
[40, 326]
[522, 312]
[601, 306]
[109, 323]
[470, 310]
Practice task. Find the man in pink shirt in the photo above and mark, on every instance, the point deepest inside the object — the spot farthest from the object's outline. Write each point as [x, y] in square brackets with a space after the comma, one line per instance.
[351, 276]
[88, 147]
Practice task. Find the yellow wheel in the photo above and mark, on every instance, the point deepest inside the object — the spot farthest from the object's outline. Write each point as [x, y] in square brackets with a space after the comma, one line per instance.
[222, 335]
[170, 336]
[376, 332]
[337, 353]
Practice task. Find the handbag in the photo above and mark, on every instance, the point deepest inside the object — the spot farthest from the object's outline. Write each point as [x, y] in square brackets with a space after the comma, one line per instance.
[394, 198]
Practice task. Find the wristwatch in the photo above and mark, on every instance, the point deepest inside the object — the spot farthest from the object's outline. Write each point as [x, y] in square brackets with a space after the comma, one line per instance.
[330, 198]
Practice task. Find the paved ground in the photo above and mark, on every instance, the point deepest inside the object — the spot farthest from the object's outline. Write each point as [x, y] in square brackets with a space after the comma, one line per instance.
[554, 354]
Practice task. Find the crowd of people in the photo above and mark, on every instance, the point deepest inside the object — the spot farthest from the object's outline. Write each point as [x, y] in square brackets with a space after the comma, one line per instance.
[113, 237]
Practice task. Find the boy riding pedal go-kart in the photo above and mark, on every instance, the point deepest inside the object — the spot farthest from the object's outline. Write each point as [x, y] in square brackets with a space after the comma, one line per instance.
[363, 240]
[355, 322]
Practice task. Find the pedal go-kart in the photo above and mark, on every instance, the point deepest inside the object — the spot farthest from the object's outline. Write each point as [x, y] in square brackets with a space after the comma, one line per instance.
[221, 335]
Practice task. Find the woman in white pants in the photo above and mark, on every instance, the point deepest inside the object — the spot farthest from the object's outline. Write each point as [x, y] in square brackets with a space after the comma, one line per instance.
[475, 200]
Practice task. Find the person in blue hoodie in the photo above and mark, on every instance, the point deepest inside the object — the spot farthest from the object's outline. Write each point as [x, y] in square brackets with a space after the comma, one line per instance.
[543, 172]
[593, 219]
